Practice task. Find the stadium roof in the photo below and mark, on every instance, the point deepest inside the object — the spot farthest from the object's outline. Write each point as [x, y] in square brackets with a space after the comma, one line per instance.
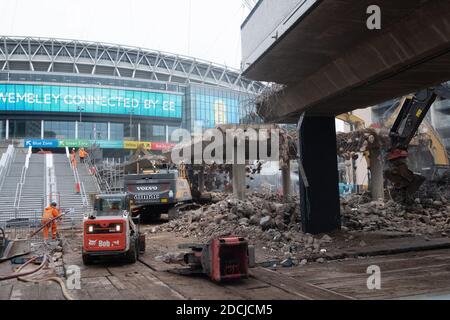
[103, 59]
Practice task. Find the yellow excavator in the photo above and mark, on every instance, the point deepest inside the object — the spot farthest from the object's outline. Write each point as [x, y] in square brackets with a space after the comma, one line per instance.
[404, 125]
[428, 134]
[409, 115]
[352, 119]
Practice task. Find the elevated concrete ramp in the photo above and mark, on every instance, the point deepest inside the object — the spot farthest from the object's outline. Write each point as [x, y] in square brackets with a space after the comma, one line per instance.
[332, 63]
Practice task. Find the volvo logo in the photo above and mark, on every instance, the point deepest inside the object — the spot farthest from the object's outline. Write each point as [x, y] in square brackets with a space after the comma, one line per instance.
[147, 188]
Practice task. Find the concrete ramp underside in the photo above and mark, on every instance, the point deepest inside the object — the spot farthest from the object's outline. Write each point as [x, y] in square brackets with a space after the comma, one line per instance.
[332, 63]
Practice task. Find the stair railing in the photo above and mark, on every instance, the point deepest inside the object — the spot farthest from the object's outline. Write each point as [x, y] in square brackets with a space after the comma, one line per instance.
[102, 184]
[5, 163]
[21, 182]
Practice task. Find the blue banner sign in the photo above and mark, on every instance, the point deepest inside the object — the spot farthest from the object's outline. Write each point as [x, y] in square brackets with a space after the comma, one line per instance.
[72, 143]
[40, 143]
[46, 98]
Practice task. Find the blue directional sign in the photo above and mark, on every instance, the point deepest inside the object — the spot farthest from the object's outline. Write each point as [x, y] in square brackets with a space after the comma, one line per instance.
[35, 143]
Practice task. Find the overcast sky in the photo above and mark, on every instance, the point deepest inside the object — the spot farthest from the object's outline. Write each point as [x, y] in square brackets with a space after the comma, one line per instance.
[211, 31]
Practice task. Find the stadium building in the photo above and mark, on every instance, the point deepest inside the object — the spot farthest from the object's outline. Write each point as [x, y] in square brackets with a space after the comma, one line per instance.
[56, 93]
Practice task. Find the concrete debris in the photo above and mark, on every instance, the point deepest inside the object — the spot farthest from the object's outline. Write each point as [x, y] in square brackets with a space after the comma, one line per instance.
[287, 263]
[263, 219]
[272, 224]
[171, 257]
[320, 260]
[428, 213]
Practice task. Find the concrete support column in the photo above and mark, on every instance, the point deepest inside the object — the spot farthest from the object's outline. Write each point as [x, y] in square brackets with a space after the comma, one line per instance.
[239, 181]
[286, 179]
[376, 175]
[201, 179]
[167, 134]
[139, 131]
[319, 192]
[7, 129]
[76, 129]
[109, 131]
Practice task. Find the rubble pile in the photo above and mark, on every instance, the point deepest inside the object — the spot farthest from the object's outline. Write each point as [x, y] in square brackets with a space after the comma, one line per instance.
[429, 213]
[361, 141]
[258, 211]
[262, 219]
[273, 226]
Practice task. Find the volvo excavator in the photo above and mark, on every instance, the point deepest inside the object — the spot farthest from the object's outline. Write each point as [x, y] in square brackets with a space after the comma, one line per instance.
[411, 114]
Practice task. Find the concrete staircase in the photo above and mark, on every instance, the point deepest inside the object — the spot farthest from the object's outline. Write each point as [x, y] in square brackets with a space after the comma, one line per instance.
[65, 186]
[90, 183]
[31, 203]
[8, 189]
[33, 197]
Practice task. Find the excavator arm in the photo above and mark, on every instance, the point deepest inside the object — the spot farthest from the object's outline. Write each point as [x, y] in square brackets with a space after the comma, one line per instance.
[413, 110]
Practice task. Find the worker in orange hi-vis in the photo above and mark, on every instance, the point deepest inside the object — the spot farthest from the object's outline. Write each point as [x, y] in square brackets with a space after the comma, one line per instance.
[73, 158]
[82, 154]
[49, 213]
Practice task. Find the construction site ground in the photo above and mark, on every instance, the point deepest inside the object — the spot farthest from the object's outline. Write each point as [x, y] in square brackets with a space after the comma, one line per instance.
[411, 267]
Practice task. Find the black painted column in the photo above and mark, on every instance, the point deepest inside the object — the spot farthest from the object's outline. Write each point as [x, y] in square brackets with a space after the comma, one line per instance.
[319, 191]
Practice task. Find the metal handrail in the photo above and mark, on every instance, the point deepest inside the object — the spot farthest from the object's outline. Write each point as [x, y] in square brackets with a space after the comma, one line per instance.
[99, 179]
[17, 192]
[19, 188]
[8, 156]
[82, 189]
[78, 181]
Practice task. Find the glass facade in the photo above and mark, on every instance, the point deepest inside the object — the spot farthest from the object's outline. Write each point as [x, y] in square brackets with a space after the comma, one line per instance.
[211, 106]
[2, 129]
[59, 130]
[113, 115]
[130, 132]
[93, 130]
[170, 130]
[20, 129]
[152, 132]
[117, 131]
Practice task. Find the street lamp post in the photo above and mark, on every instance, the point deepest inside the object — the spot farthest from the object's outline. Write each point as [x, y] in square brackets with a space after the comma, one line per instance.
[131, 122]
[80, 109]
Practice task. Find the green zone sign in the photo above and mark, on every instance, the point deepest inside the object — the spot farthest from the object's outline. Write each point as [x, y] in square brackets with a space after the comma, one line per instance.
[53, 98]
[105, 144]
[74, 143]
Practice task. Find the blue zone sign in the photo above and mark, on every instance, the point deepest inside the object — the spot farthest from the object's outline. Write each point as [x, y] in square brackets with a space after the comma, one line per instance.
[40, 143]
[44, 98]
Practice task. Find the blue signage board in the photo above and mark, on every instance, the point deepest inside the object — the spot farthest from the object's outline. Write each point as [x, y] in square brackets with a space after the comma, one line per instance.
[112, 144]
[53, 98]
[72, 143]
[35, 143]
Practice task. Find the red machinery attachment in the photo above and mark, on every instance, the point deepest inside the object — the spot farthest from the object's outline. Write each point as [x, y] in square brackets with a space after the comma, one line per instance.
[221, 259]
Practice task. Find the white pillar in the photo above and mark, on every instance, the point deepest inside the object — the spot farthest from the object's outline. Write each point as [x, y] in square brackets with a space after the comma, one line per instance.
[76, 129]
[7, 129]
[238, 181]
[167, 134]
[139, 131]
[109, 131]
[42, 129]
[286, 180]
